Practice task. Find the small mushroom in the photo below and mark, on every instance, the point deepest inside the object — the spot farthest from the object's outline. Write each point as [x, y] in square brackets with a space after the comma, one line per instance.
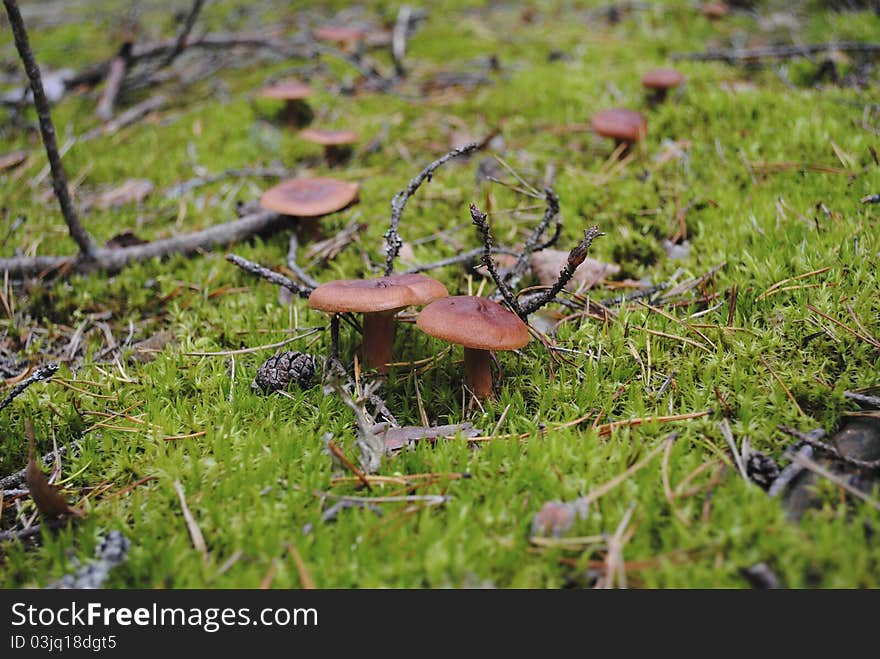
[714, 10]
[309, 198]
[349, 39]
[378, 300]
[660, 81]
[336, 143]
[297, 112]
[624, 126]
[481, 326]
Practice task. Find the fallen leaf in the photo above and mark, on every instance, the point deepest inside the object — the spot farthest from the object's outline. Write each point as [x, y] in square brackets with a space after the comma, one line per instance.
[132, 191]
[12, 159]
[397, 438]
[127, 238]
[557, 517]
[676, 251]
[145, 351]
[548, 263]
[46, 496]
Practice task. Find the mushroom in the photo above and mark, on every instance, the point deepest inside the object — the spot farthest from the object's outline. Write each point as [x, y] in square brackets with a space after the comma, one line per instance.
[624, 126]
[349, 39]
[481, 326]
[660, 81]
[297, 112]
[309, 197]
[378, 300]
[336, 143]
[714, 10]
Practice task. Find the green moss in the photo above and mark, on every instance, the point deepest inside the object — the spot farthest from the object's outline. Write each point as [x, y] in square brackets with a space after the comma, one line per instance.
[250, 478]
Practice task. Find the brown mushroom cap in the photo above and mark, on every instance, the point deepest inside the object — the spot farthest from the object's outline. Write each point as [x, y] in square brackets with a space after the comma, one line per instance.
[372, 295]
[474, 322]
[329, 137]
[662, 79]
[289, 90]
[309, 197]
[626, 125]
[713, 10]
[338, 34]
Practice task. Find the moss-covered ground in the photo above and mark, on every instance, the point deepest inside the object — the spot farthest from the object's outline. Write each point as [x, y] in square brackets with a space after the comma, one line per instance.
[763, 165]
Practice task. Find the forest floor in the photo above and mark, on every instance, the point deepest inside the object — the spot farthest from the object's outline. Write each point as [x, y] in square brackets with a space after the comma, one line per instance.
[743, 221]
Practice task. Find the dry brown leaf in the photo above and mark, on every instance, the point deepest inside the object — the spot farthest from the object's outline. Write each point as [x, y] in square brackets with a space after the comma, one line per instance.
[145, 351]
[548, 263]
[12, 159]
[397, 438]
[133, 190]
[46, 496]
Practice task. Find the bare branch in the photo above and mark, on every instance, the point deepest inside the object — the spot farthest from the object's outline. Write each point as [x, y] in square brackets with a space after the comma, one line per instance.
[531, 246]
[44, 373]
[115, 259]
[734, 55]
[575, 257]
[84, 241]
[393, 242]
[270, 275]
[482, 225]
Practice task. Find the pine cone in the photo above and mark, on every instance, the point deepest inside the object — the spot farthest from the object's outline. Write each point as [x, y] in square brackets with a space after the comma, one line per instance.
[284, 368]
[762, 469]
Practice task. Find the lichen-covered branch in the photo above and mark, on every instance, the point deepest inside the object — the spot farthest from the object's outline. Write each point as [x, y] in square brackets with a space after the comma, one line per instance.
[482, 224]
[575, 257]
[44, 373]
[270, 275]
[393, 242]
[83, 239]
[532, 244]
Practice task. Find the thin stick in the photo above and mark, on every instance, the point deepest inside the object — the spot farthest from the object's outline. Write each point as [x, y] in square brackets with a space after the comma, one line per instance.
[874, 342]
[292, 248]
[180, 42]
[779, 52]
[784, 387]
[532, 245]
[816, 468]
[675, 337]
[431, 499]
[602, 490]
[398, 39]
[480, 221]
[247, 351]
[118, 67]
[44, 373]
[575, 257]
[116, 259]
[83, 239]
[195, 533]
[270, 275]
[305, 579]
[829, 449]
[775, 286]
[393, 242]
[873, 401]
[687, 326]
[335, 450]
[608, 428]
[737, 458]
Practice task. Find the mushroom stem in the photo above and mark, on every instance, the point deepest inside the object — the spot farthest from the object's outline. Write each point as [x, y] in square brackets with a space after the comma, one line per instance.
[478, 372]
[379, 339]
[297, 113]
[336, 154]
[656, 96]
